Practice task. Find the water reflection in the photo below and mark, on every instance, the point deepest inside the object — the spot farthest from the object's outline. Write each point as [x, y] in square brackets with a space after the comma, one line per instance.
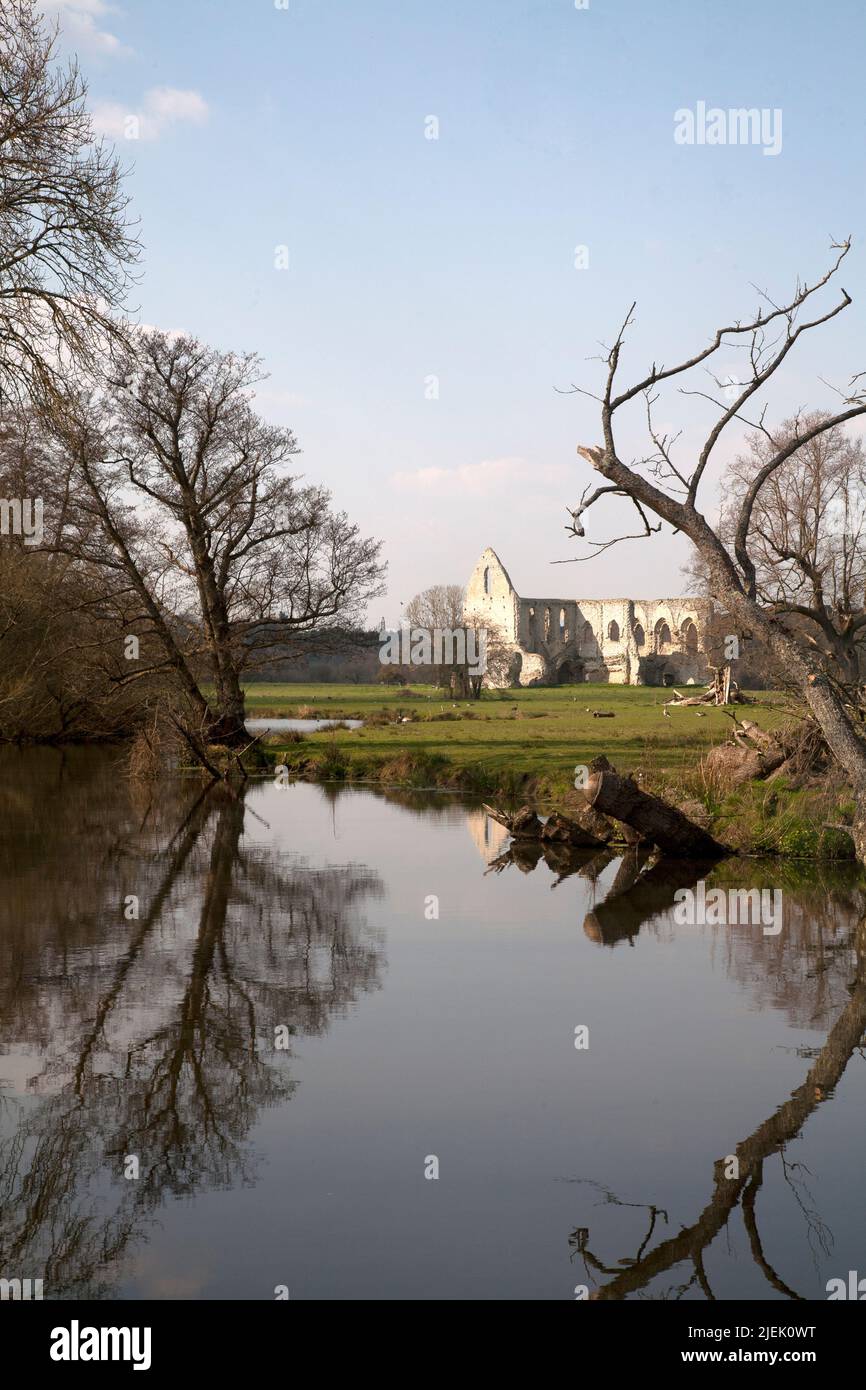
[151, 944]
[814, 971]
[151, 1005]
[740, 1182]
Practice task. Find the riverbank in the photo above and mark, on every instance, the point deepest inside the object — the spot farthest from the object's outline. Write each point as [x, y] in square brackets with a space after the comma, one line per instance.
[523, 746]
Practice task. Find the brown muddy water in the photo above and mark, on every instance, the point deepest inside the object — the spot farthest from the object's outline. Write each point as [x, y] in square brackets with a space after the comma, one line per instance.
[236, 1037]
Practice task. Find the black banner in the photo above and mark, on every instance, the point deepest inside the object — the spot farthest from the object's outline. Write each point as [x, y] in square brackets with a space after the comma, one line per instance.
[154, 1338]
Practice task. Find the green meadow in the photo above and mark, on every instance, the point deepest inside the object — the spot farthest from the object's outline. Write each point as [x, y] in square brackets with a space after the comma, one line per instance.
[510, 739]
[521, 746]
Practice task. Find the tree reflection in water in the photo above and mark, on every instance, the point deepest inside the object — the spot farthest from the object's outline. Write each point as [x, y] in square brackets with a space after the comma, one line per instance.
[815, 968]
[156, 1035]
[153, 1035]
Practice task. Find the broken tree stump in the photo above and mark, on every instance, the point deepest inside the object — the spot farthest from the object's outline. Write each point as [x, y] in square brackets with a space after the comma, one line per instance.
[656, 820]
[726, 686]
[722, 690]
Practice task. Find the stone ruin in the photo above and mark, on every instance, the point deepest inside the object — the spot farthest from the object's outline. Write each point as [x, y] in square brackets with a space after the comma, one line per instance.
[565, 641]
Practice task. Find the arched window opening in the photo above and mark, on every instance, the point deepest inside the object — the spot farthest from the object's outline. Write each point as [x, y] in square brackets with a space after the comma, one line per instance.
[613, 631]
[547, 624]
[588, 634]
[690, 636]
[639, 636]
[487, 579]
[563, 630]
[662, 636]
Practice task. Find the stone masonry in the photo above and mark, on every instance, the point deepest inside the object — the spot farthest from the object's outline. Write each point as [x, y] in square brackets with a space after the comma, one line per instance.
[558, 641]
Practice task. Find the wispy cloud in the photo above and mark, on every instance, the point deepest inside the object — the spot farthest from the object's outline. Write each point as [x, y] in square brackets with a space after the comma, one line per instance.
[482, 479]
[160, 109]
[82, 25]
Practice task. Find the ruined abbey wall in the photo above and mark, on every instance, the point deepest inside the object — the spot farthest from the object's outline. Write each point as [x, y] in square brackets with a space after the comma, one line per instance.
[563, 641]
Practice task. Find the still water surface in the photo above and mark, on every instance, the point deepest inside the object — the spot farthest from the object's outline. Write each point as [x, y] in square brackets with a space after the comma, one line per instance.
[305, 914]
[301, 726]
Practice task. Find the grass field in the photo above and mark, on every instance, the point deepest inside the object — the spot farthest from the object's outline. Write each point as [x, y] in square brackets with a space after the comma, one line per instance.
[538, 735]
[524, 745]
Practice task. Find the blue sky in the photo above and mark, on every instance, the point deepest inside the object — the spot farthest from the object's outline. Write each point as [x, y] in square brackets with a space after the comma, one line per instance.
[410, 258]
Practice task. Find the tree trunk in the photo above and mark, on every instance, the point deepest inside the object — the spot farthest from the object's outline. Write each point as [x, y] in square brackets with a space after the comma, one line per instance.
[227, 728]
[656, 820]
[826, 704]
[828, 707]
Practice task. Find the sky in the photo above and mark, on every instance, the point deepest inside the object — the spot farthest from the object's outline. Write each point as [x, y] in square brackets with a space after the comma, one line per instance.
[385, 199]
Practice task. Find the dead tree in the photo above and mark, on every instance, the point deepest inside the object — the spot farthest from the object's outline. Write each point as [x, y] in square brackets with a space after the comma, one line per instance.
[668, 489]
[611, 797]
[722, 690]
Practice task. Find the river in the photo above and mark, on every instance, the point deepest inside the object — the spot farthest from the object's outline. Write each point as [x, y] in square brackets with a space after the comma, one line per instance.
[340, 1044]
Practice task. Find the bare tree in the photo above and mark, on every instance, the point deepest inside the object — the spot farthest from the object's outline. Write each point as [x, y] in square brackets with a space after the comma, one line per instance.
[808, 540]
[177, 491]
[66, 247]
[660, 484]
[184, 1088]
[440, 608]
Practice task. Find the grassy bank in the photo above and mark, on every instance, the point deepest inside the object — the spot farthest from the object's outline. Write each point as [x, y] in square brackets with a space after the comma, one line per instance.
[530, 738]
[524, 745]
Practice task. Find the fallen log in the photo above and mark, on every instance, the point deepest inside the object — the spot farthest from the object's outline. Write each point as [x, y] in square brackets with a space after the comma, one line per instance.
[734, 765]
[753, 755]
[558, 829]
[690, 700]
[656, 820]
[758, 735]
[595, 824]
[561, 829]
[523, 825]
